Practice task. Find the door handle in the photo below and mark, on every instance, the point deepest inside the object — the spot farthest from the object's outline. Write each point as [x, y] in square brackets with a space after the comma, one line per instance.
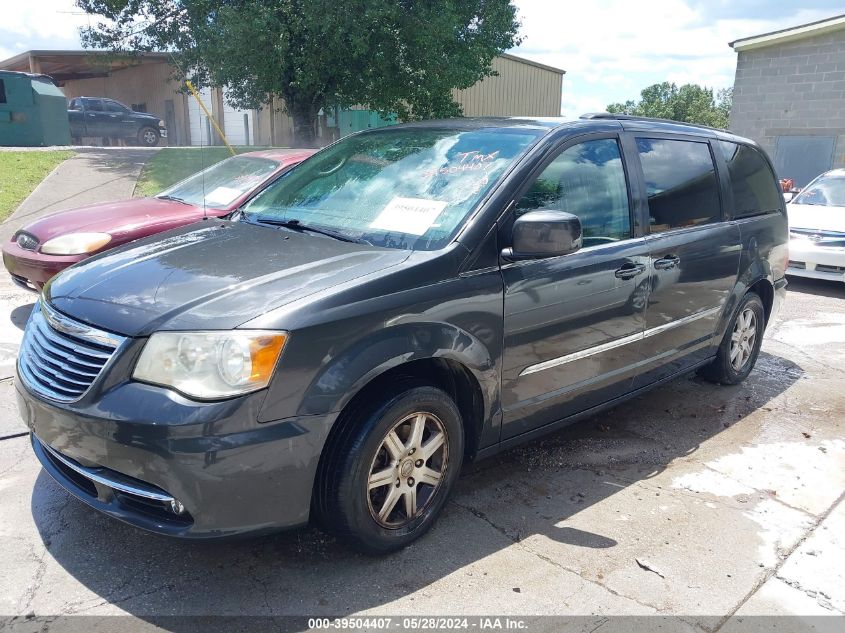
[629, 270]
[667, 263]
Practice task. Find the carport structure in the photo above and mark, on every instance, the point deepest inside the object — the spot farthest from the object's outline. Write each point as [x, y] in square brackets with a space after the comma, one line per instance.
[144, 81]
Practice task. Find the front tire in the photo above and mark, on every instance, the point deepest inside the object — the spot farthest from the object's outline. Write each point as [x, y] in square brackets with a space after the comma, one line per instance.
[741, 344]
[148, 136]
[388, 478]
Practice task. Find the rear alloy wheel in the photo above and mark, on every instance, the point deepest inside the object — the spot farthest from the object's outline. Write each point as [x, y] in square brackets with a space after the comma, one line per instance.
[743, 338]
[389, 471]
[148, 137]
[740, 346]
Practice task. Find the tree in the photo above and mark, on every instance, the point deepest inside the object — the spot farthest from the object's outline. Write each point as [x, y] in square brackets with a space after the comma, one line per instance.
[690, 103]
[402, 56]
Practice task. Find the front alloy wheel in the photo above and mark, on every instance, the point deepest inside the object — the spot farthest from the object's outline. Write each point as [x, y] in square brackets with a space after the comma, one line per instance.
[407, 469]
[389, 467]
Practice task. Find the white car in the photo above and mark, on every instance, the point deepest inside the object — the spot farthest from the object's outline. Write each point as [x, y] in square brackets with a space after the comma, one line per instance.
[817, 229]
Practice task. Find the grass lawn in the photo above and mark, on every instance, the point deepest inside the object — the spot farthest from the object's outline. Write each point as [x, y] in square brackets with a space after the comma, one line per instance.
[21, 172]
[172, 164]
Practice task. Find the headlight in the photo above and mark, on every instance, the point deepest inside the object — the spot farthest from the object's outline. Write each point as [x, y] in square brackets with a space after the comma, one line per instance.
[210, 365]
[75, 243]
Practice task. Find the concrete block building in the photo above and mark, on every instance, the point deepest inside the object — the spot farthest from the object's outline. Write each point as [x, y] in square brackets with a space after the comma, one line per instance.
[789, 96]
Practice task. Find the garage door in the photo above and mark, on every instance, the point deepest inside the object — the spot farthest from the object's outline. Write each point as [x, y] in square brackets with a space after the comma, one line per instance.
[802, 158]
[201, 130]
[237, 124]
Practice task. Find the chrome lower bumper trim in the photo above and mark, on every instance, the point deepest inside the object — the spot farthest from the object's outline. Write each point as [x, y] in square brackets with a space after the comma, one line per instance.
[104, 478]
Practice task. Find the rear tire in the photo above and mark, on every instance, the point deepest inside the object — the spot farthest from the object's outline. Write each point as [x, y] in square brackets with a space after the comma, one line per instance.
[148, 136]
[391, 469]
[740, 346]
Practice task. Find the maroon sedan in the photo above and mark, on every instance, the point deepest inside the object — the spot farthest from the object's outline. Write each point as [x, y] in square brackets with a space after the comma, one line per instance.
[38, 251]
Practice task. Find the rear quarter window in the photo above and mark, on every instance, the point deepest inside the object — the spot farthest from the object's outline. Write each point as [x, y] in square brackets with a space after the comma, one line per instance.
[681, 183]
[753, 183]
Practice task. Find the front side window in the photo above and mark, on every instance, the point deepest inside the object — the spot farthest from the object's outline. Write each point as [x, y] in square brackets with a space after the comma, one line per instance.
[754, 186]
[409, 188]
[587, 180]
[94, 105]
[74, 105]
[221, 184]
[681, 183]
[825, 191]
[114, 106]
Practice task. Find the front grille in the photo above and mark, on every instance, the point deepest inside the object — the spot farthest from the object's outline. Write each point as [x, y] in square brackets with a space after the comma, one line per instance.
[26, 240]
[824, 268]
[833, 239]
[61, 358]
[799, 265]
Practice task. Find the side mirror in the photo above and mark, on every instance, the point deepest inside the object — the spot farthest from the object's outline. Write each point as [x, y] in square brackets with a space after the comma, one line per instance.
[538, 234]
[788, 196]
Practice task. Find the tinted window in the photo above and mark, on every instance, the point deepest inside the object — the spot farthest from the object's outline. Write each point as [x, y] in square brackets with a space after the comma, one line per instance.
[587, 180]
[2, 91]
[752, 181]
[94, 105]
[74, 105]
[681, 183]
[114, 106]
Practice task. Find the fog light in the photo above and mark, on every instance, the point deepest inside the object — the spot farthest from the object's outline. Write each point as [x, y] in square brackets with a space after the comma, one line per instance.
[176, 506]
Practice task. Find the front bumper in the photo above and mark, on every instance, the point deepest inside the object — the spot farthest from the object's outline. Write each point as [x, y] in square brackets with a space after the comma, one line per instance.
[138, 448]
[807, 259]
[778, 299]
[33, 268]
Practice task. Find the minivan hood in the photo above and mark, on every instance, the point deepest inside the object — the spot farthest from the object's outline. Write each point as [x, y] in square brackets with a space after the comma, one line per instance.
[217, 276]
[816, 217]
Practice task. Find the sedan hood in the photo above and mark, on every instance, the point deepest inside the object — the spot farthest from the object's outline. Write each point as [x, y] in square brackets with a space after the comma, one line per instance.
[816, 217]
[217, 276]
[116, 218]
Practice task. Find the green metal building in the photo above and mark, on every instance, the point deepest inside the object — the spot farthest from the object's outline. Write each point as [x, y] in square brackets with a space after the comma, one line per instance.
[33, 111]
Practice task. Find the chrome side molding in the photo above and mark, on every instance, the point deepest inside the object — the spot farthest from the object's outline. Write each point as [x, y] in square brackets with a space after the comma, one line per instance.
[625, 340]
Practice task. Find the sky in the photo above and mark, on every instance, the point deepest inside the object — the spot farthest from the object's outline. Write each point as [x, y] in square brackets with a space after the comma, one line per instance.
[610, 49]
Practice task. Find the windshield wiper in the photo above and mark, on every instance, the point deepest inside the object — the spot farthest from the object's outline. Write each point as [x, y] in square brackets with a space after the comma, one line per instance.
[297, 225]
[174, 198]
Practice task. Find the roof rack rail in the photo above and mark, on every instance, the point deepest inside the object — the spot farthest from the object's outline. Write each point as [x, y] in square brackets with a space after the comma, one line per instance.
[631, 117]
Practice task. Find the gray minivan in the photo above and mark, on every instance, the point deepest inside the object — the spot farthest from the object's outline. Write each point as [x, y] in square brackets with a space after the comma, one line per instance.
[406, 299]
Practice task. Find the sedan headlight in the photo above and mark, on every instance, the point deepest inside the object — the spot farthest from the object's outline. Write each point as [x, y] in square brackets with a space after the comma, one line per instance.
[75, 243]
[211, 365]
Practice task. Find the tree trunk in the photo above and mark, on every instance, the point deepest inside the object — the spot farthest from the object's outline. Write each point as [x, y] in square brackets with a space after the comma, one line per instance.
[304, 116]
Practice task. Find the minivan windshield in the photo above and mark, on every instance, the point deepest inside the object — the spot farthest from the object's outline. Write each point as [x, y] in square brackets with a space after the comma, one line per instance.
[409, 188]
[220, 185]
[827, 191]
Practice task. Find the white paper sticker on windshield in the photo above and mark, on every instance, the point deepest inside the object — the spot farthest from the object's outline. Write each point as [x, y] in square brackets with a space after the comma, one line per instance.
[222, 195]
[408, 215]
